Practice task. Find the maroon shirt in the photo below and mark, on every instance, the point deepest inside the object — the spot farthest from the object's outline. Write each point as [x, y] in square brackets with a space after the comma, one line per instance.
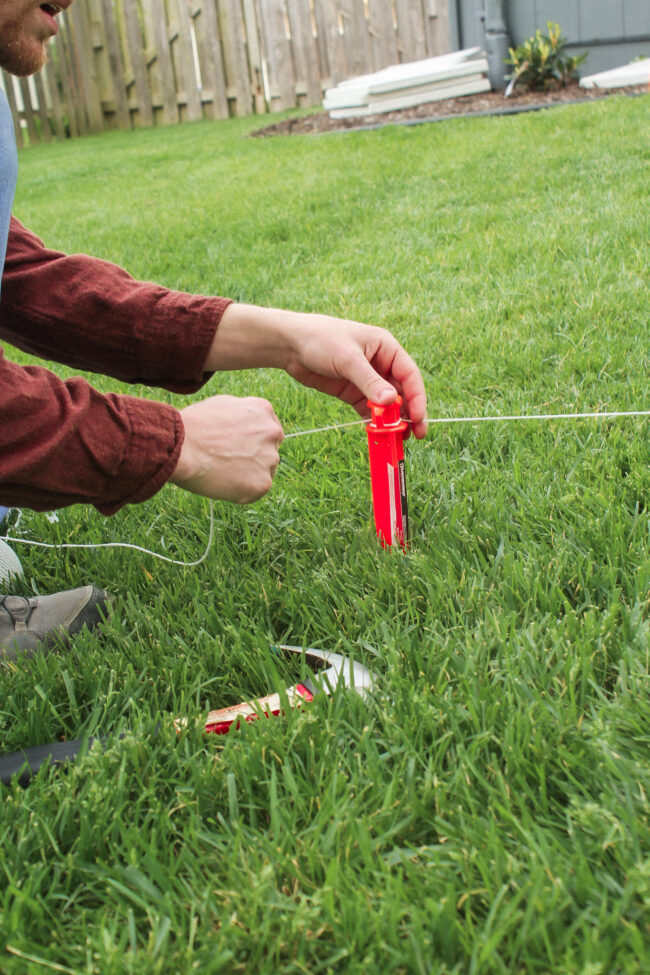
[62, 442]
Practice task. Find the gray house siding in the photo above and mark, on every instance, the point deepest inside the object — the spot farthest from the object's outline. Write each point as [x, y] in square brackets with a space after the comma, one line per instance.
[466, 23]
[613, 31]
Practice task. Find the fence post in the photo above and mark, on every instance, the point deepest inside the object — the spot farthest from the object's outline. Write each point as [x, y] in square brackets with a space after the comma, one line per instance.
[437, 26]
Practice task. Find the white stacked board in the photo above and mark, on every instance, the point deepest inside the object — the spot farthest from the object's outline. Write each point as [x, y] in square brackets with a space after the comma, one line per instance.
[634, 73]
[405, 85]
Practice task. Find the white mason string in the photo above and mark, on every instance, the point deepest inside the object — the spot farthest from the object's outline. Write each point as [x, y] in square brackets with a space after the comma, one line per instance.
[599, 415]
[136, 548]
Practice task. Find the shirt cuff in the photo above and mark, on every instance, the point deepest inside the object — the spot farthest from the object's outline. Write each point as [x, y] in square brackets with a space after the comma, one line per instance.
[156, 435]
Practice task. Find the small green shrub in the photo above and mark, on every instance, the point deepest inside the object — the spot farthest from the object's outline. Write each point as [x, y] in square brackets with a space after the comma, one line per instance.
[540, 62]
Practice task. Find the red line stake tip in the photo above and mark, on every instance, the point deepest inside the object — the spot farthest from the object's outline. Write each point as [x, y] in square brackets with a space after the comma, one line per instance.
[387, 472]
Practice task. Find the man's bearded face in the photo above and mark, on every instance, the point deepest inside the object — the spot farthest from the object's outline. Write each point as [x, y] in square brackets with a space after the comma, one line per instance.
[25, 28]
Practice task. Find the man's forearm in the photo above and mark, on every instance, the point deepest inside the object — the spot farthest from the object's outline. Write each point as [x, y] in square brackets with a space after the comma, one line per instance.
[92, 315]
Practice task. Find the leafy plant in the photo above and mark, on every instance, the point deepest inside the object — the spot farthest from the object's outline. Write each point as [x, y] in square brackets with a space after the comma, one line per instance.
[540, 62]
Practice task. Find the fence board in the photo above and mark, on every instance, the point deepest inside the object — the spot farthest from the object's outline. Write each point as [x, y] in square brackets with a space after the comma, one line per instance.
[356, 41]
[43, 113]
[412, 38]
[115, 64]
[254, 50]
[383, 37]
[53, 101]
[307, 85]
[71, 95]
[160, 60]
[140, 104]
[188, 94]
[28, 112]
[84, 66]
[238, 85]
[13, 105]
[329, 25]
[124, 63]
[438, 24]
[276, 52]
[211, 67]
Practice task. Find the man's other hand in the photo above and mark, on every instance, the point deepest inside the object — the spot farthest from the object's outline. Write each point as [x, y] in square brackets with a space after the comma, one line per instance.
[230, 451]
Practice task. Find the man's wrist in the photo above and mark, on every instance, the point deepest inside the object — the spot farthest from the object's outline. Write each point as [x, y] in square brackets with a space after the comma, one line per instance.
[251, 337]
[183, 470]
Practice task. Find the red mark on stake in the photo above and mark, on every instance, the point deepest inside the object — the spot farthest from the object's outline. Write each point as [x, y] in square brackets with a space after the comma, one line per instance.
[387, 472]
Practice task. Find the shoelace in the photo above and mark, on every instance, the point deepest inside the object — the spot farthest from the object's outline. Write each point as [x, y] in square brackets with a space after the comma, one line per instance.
[12, 614]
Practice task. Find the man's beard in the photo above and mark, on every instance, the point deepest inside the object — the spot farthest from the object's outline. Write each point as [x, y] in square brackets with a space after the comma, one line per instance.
[21, 57]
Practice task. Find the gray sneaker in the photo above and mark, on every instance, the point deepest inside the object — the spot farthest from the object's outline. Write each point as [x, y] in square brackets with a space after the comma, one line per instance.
[42, 622]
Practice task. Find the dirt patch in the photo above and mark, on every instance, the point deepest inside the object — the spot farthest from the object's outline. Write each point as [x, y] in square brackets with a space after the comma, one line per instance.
[486, 103]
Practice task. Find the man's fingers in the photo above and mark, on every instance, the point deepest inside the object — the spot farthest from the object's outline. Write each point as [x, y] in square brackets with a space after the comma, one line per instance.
[419, 430]
[230, 450]
[370, 383]
[404, 373]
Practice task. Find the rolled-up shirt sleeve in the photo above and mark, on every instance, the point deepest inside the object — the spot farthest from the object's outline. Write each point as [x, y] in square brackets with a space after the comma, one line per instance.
[61, 441]
[92, 315]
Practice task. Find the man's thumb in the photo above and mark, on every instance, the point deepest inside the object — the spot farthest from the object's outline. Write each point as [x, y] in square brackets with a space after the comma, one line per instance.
[380, 392]
[373, 387]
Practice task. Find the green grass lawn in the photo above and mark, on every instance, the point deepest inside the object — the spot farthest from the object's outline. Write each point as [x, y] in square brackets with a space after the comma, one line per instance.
[487, 810]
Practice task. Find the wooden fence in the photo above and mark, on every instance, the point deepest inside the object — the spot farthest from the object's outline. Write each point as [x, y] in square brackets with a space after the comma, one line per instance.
[126, 63]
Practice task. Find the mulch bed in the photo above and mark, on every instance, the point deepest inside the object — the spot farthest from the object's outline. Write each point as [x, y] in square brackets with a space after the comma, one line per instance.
[485, 103]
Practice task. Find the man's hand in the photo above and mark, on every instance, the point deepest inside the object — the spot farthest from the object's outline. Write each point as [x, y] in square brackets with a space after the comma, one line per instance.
[230, 451]
[357, 363]
[347, 359]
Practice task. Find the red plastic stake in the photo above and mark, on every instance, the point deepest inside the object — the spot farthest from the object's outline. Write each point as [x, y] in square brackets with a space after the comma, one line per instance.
[387, 472]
